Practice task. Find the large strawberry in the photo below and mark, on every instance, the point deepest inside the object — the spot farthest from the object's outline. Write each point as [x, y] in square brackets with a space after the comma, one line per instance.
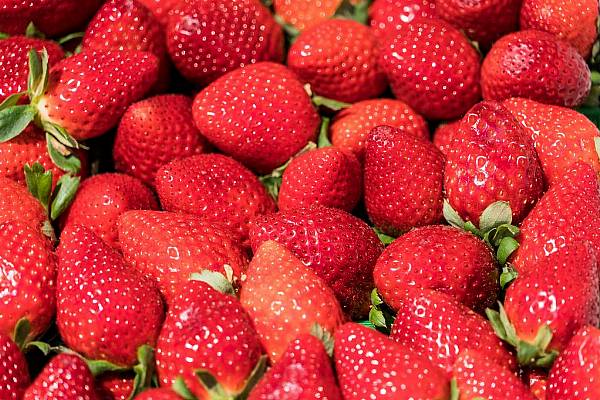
[286, 298]
[259, 114]
[433, 68]
[207, 38]
[403, 179]
[16, 203]
[14, 375]
[371, 366]
[339, 247]
[158, 394]
[535, 65]
[160, 8]
[387, 16]
[303, 14]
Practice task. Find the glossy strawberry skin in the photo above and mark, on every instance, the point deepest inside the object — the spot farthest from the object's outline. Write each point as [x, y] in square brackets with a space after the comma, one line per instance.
[158, 394]
[338, 58]
[207, 38]
[538, 382]
[16, 203]
[14, 375]
[303, 14]
[402, 180]
[114, 386]
[444, 134]
[433, 68]
[492, 158]
[535, 65]
[265, 132]
[388, 16]
[339, 247]
[160, 8]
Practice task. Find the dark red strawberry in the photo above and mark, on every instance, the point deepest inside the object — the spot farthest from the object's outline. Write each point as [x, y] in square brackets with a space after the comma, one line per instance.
[387, 16]
[443, 135]
[160, 8]
[14, 375]
[262, 133]
[303, 14]
[16, 203]
[403, 180]
[114, 386]
[158, 394]
[339, 247]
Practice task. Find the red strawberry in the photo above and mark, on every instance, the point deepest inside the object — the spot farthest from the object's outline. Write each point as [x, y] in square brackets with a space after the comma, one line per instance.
[339, 247]
[433, 68]
[285, 298]
[444, 134]
[16, 203]
[403, 180]
[490, 159]
[304, 372]
[66, 377]
[478, 377]
[303, 14]
[215, 187]
[328, 176]
[27, 278]
[561, 136]
[207, 38]
[160, 8]
[105, 310]
[102, 198]
[158, 394]
[575, 373]
[210, 331]
[114, 386]
[370, 366]
[14, 375]
[535, 65]
[263, 132]
[351, 126]
[170, 247]
[441, 258]
[154, 132]
[538, 382]
[387, 16]
[339, 59]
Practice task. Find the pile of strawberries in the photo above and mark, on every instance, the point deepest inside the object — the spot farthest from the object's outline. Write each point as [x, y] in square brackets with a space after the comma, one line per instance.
[299, 199]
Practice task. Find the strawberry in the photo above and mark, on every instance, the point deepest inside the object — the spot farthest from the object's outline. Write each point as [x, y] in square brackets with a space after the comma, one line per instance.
[158, 394]
[215, 187]
[561, 136]
[114, 386]
[491, 158]
[443, 135]
[170, 247]
[351, 126]
[102, 198]
[160, 8]
[403, 180]
[285, 298]
[370, 366]
[575, 373]
[16, 203]
[338, 58]
[433, 68]
[303, 14]
[207, 333]
[574, 22]
[66, 377]
[153, 132]
[441, 258]
[207, 38]
[387, 16]
[329, 176]
[14, 375]
[303, 372]
[262, 133]
[105, 310]
[538, 382]
[535, 65]
[339, 247]
[478, 377]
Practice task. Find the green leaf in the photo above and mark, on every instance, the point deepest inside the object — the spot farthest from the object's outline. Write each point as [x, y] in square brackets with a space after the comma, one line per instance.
[39, 183]
[143, 370]
[454, 394]
[497, 325]
[323, 140]
[12, 100]
[255, 376]
[211, 385]
[60, 134]
[496, 214]
[377, 318]
[14, 120]
[324, 336]
[64, 193]
[4, 35]
[597, 145]
[511, 333]
[33, 32]
[21, 332]
[507, 246]
[65, 160]
[43, 347]
[367, 323]
[508, 275]
[357, 12]
[334, 105]
[182, 390]
[470, 227]
[451, 216]
[526, 353]
[376, 298]
[99, 367]
[385, 239]
[216, 280]
[71, 36]
[38, 74]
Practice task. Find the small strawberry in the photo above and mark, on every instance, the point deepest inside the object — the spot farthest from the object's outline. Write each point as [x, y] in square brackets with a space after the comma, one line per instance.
[16, 203]
[303, 14]
[538, 383]
[387, 16]
[339, 247]
[114, 386]
[14, 375]
[264, 132]
[160, 8]
[535, 65]
[158, 394]
[444, 134]
[403, 180]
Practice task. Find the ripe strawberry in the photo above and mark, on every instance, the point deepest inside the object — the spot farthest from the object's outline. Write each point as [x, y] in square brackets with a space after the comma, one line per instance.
[442, 258]
[433, 68]
[215, 187]
[105, 310]
[370, 366]
[351, 126]
[575, 372]
[339, 59]
[339, 247]
[492, 158]
[16, 203]
[102, 198]
[561, 136]
[387, 16]
[153, 132]
[160, 8]
[158, 394]
[403, 180]
[210, 331]
[66, 377]
[262, 133]
[170, 247]
[285, 298]
[114, 386]
[538, 382]
[14, 375]
[207, 38]
[303, 14]
[329, 176]
[443, 135]
[535, 65]
[303, 372]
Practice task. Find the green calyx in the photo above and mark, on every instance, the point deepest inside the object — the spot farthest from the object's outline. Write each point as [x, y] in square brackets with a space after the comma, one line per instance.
[384, 238]
[357, 11]
[324, 336]
[216, 280]
[39, 183]
[380, 315]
